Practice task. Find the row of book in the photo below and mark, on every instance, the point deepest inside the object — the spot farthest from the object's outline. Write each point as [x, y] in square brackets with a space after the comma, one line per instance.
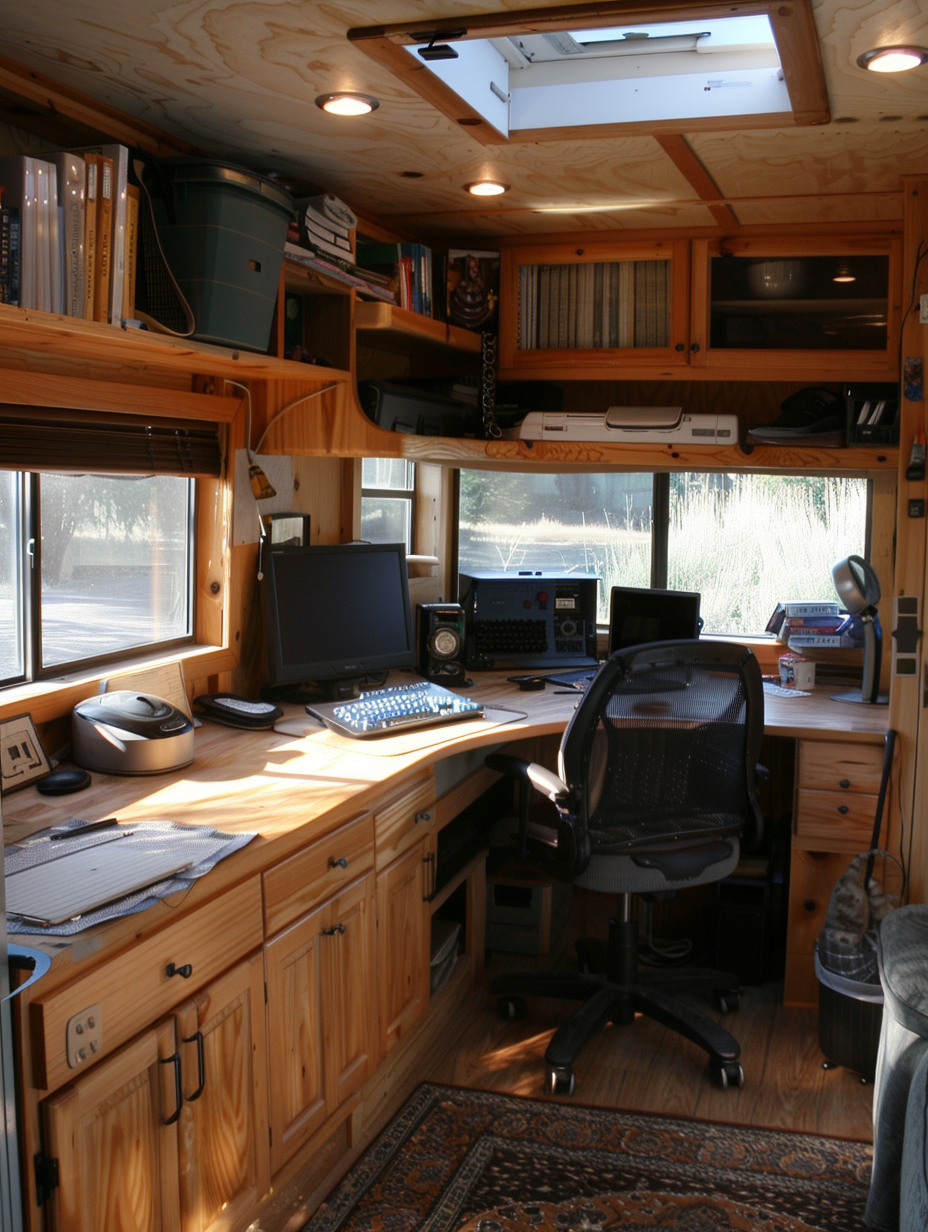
[813, 624]
[69, 233]
[408, 268]
[592, 305]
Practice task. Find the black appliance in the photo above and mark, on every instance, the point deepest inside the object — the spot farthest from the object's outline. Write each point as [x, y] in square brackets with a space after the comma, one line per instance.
[531, 620]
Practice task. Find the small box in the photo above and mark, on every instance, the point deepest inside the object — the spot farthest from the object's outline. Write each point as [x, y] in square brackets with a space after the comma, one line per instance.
[872, 414]
[526, 912]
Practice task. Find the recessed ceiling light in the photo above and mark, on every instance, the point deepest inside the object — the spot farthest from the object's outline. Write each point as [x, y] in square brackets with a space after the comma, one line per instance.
[844, 275]
[345, 104]
[893, 59]
[486, 188]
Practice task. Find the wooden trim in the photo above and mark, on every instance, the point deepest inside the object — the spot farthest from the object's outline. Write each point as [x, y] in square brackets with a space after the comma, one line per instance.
[80, 394]
[680, 153]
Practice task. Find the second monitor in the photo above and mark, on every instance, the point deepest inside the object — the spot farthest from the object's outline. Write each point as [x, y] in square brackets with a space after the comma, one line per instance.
[643, 614]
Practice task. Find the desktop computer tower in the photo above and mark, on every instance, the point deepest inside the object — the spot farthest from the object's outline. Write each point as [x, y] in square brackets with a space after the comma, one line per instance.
[529, 620]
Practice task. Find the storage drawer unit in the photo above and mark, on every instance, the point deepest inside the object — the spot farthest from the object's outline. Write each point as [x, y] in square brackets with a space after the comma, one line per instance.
[403, 819]
[295, 886]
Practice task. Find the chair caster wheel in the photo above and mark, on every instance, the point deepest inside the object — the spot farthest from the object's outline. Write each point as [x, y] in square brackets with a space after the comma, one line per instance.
[728, 1001]
[559, 1080]
[512, 1009]
[727, 1074]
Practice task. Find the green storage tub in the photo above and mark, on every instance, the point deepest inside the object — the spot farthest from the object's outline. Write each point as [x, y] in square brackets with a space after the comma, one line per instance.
[222, 229]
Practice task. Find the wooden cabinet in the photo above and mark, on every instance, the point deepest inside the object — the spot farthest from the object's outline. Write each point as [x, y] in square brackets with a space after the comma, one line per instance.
[169, 1133]
[403, 938]
[837, 786]
[751, 309]
[322, 1015]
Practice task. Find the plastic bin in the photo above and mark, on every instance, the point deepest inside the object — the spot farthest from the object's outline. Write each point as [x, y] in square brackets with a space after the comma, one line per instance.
[850, 1016]
[222, 229]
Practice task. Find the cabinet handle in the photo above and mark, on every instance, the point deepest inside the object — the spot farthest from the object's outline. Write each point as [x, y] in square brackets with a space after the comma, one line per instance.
[201, 1067]
[680, 346]
[694, 347]
[842, 809]
[431, 876]
[844, 783]
[423, 816]
[184, 972]
[810, 905]
[174, 1060]
[330, 932]
[342, 863]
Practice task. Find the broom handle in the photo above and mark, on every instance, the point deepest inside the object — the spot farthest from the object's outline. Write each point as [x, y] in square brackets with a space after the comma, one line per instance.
[888, 748]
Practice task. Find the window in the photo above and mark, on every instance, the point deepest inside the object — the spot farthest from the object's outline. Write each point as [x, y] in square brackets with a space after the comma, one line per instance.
[387, 492]
[113, 571]
[743, 541]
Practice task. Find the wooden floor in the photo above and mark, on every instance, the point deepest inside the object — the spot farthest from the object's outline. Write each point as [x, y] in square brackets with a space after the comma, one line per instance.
[644, 1067]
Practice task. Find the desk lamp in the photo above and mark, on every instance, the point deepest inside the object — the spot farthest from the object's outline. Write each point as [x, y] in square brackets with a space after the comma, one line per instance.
[858, 589]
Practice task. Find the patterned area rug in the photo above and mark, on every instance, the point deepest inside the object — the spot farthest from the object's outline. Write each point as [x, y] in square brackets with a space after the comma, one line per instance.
[474, 1161]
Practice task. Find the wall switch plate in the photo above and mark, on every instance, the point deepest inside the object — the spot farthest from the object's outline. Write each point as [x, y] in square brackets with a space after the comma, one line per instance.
[84, 1035]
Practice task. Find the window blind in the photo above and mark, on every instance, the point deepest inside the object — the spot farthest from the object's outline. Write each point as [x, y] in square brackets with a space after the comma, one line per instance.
[64, 441]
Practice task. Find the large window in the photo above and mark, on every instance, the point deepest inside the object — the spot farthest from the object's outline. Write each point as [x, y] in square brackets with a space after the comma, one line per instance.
[743, 541]
[92, 567]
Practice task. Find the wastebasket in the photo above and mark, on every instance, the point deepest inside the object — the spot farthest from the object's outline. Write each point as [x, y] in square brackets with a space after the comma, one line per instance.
[850, 1016]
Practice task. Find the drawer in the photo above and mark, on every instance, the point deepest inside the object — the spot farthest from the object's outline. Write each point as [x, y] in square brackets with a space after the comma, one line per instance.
[835, 820]
[296, 885]
[403, 818]
[824, 766]
[133, 989]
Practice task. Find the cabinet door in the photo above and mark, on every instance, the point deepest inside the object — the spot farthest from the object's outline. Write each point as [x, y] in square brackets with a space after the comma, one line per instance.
[223, 1140]
[117, 1158]
[320, 1009]
[403, 930]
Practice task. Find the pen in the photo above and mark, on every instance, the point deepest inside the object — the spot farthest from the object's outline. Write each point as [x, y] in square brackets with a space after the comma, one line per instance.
[79, 832]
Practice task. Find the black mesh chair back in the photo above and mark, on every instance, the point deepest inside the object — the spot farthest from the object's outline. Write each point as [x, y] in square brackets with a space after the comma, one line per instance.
[661, 752]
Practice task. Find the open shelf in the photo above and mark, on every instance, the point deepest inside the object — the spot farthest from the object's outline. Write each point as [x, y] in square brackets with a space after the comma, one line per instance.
[400, 328]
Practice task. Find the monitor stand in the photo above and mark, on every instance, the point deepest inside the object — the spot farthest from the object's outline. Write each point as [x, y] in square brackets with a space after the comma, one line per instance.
[315, 691]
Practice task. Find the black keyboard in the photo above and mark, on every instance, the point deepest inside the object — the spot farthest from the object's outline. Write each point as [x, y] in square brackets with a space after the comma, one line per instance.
[395, 708]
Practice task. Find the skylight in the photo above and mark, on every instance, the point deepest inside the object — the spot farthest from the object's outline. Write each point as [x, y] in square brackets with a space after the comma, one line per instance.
[618, 75]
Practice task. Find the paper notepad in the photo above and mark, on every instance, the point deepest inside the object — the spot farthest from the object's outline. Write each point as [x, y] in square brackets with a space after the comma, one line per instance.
[81, 881]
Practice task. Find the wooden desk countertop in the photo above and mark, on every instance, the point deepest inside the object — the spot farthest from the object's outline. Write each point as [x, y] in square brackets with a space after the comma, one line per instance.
[293, 788]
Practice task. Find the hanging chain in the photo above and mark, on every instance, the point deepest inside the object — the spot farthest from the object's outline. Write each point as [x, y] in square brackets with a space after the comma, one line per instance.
[491, 429]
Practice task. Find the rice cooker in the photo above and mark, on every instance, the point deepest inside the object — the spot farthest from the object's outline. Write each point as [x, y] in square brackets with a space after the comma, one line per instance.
[124, 732]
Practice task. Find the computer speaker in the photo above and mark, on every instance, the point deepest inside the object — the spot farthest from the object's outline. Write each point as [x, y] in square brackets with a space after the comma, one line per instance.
[440, 643]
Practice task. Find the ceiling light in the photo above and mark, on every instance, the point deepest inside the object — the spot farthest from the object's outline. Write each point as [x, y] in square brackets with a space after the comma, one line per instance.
[893, 59]
[345, 104]
[844, 275]
[486, 188]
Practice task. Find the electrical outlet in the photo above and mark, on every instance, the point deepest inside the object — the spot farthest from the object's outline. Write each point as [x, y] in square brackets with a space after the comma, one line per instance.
[923, 310]
[84, 1035]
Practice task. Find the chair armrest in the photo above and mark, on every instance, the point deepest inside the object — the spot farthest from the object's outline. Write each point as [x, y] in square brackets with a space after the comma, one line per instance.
[543, 780]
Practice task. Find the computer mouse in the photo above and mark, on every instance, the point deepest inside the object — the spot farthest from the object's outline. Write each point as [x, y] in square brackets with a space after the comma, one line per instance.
[531, 684]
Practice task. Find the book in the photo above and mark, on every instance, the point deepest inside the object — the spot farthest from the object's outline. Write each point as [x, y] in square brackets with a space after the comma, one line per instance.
[9, 255]
[17, 176]
[116, 257]
[91, 183]
[472, 290]
[71, 174]
[811, 607]
[103, 266]
[132, 252]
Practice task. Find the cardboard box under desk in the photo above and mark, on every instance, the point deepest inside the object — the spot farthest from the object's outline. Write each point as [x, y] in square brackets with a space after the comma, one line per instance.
[526, 911]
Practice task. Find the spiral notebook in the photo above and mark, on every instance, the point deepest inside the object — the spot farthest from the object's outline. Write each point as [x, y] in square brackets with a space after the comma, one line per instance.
[81, 881]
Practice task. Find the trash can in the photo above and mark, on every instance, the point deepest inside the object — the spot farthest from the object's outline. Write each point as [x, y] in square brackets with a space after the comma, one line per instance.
[222, 230]
[850, 1017]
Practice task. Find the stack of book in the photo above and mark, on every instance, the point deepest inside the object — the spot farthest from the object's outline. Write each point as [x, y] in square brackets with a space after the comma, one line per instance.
[408, 269]
[68, 233]
[805, 624]
[320, 239]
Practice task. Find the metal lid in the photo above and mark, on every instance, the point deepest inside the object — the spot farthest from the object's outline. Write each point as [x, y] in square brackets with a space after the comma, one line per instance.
[198, 170]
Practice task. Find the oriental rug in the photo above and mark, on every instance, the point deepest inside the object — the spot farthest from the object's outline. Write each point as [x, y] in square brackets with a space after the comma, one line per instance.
[476, 1161]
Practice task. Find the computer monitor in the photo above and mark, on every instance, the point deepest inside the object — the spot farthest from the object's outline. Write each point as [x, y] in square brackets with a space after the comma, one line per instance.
[335, 615]
[644, 614]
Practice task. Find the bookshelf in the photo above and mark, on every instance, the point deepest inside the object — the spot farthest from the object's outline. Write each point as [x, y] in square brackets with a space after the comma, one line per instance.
[391, 325]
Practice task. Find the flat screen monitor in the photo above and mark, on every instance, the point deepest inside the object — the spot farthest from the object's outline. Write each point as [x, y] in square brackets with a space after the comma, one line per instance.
[336, 613]
[644, 614]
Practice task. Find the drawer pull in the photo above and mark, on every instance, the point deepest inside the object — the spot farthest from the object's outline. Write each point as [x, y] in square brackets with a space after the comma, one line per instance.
[174, 1060]
[330, 932]
[810, 905]
[844, 783]
[184, 972]
[342, 863]
[201, 1067]
[423, 816]
[843, 809]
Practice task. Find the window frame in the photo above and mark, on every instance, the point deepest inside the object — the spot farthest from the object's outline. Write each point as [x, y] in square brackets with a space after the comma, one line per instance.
[409, 494]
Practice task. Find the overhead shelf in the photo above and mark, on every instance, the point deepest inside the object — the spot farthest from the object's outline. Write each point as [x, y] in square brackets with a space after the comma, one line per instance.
[399, 327]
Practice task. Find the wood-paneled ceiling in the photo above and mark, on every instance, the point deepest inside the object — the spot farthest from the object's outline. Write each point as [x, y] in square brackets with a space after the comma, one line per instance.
[237, 79]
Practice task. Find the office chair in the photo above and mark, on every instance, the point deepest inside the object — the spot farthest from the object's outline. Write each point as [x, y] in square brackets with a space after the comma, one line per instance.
[655, 787]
